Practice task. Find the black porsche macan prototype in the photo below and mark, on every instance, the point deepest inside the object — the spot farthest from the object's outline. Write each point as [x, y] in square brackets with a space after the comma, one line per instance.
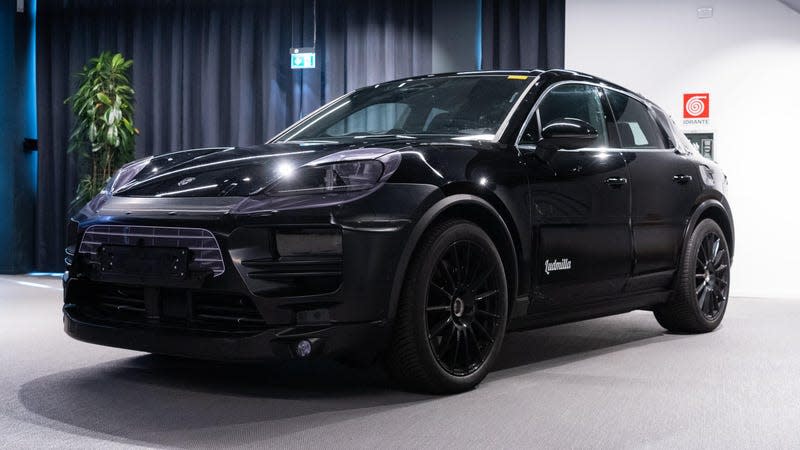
[413, 222]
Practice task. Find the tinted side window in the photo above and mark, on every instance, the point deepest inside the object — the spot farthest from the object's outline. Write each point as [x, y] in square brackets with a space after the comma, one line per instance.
[573, 101]
[636, 126]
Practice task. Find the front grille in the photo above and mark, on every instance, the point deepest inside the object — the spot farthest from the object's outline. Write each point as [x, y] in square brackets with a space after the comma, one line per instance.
[175, 308]
[203, 246]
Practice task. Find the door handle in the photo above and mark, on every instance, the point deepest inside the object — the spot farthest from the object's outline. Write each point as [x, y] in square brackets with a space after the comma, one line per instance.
[616, 181]
[682, 179]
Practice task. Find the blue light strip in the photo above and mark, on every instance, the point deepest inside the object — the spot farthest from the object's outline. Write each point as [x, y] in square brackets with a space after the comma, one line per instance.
[46, 274]
[479, 35]
[32, 125]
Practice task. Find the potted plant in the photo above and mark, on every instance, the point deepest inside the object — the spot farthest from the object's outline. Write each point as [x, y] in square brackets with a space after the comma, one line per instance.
[103, 133]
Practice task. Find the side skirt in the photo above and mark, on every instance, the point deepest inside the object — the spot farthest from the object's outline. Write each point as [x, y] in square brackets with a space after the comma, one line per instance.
[608, 307]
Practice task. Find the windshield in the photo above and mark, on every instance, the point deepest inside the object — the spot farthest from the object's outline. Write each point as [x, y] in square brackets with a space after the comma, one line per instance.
[459, 106]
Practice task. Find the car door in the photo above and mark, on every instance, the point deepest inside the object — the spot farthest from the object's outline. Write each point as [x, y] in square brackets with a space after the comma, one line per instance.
[580, 203]
[664, 186]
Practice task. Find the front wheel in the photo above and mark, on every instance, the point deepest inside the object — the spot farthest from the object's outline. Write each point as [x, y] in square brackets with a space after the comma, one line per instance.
[701, 294]
[453, 311]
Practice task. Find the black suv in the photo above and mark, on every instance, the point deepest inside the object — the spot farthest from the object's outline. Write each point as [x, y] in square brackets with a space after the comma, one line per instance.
[413, 222]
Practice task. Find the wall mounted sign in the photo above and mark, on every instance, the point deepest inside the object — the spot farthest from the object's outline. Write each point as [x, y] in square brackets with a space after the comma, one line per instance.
[695, 106]
[703, 143]
[696, 109]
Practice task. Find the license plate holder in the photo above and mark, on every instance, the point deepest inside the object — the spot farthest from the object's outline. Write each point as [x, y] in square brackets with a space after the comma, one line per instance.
[144, 263]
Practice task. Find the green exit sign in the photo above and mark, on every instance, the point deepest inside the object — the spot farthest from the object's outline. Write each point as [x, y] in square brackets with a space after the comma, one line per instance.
[303, 58]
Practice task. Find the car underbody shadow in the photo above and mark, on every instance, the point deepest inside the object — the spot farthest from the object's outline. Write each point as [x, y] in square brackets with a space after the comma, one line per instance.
[539, 350]
[167, 401]
[159, 400]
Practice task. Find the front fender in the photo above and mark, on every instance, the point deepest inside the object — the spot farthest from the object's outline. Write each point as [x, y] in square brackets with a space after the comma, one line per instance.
[429, 217]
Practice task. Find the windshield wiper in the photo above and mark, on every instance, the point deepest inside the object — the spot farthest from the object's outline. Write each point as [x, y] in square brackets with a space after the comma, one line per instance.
[384, 136]
[302, 142]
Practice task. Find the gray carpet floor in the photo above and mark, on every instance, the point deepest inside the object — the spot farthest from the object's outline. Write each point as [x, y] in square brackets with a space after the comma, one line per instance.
[618, 382]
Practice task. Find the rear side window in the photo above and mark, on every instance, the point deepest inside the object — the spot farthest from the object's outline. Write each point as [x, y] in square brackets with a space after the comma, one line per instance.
[637, 128]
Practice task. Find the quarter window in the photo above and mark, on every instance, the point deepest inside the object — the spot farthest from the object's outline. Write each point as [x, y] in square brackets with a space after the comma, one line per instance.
[569, 101]
[671, 136]
[636, 126]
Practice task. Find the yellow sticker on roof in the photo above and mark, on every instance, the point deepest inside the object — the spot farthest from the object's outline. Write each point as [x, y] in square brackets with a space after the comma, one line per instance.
[517, 77]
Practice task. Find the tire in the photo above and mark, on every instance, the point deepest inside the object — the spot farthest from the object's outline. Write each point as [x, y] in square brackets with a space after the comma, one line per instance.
[453, 311]
[702, 284]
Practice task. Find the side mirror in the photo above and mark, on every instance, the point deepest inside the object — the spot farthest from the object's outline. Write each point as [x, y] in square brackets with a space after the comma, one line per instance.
[566, 134]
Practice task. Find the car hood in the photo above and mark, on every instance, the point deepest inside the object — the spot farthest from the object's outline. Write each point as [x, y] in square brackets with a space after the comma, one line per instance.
[236, 171]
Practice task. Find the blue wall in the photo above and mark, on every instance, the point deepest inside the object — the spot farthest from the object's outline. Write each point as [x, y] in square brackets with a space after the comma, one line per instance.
[17, 121]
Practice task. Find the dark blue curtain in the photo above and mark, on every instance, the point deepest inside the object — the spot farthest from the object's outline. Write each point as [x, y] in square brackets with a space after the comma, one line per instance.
[210, 72]
[368, 42]
[522, 34]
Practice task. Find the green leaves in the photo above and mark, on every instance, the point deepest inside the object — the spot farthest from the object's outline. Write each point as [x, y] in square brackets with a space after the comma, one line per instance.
[104, 133]
[117, 60]
[104, 98]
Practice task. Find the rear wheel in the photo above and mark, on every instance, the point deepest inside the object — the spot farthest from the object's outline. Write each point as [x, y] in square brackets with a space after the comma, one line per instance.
[701, 295]
[452, 315]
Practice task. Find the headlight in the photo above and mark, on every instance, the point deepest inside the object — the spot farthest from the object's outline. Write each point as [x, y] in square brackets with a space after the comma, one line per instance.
[338, 177]
[124, 175]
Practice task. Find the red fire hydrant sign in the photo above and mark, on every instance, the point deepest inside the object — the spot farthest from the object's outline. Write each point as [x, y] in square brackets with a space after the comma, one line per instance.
[695, 106]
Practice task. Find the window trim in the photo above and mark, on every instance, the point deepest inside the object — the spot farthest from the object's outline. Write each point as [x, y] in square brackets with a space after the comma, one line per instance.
[507, 121]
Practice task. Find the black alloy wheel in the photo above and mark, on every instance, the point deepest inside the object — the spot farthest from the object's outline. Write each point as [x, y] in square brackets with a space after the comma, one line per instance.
[712, 276]
[453, 311]
[702, 283]
[462, 310]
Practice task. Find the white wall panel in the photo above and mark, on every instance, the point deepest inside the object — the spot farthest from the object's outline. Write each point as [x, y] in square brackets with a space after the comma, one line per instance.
[747, 56]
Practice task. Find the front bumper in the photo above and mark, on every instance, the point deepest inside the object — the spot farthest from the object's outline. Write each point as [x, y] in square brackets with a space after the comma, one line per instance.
[260, 308]
[359, 342]
[324, 275]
